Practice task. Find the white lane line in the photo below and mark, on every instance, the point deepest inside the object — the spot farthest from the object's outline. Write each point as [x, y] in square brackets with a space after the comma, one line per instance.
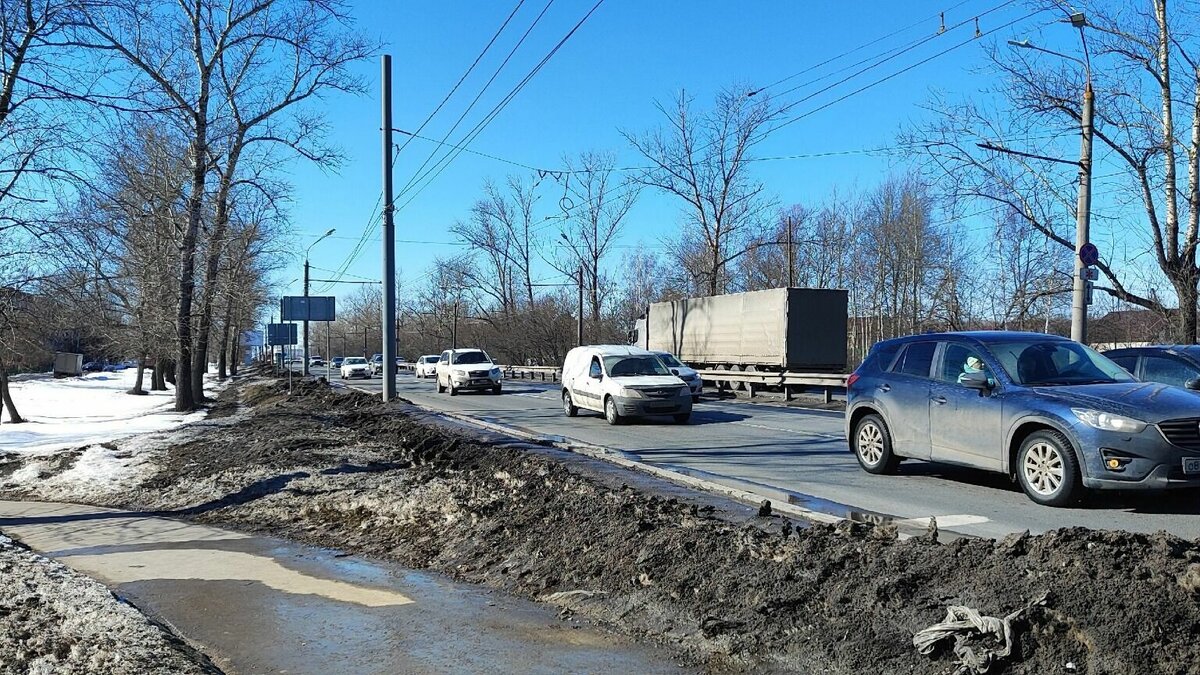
[955, 520]
[789, 431]
[547, 398]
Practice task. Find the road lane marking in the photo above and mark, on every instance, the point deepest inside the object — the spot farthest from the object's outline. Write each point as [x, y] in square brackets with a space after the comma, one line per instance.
[956, 520]
[790, 431]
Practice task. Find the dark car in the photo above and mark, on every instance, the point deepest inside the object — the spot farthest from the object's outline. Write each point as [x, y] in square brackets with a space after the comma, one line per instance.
[1053, 414]
[1177, 365]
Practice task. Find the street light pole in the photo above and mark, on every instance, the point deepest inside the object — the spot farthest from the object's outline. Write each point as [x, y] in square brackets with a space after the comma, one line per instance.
[1083, 217]
[1083, 210]
[306, 312]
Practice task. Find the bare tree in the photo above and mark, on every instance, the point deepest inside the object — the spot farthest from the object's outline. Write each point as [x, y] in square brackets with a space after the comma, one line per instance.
[596, 199]
[184, 58]
[1145, 70]
[703, 160]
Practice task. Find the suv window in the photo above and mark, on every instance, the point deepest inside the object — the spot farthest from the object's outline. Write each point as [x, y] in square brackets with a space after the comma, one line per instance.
[1166, 370]
[916, 360]
[880, 358]
[1127, 361]
[954, 362]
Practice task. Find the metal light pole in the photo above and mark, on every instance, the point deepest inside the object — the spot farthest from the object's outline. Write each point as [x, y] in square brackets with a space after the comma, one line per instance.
[306, 312]
[579, 329]
[389, 242]
[1083, 212]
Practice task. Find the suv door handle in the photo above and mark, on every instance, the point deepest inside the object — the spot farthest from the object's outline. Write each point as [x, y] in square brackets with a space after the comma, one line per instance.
[884, 387]
[940, 400]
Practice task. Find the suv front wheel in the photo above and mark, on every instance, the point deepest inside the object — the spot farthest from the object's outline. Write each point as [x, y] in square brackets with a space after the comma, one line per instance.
[872, 443]
[1047, 469]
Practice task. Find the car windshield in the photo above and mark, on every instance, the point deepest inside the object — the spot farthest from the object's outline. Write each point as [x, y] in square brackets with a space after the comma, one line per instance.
[670, 361]
[1057, 362]
[464, 358]
[632, 366]
[354, 360]
[429, 359]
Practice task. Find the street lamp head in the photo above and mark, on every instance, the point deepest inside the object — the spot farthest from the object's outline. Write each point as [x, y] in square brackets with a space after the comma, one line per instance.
[329, 233]
[1023, 44]
[1077, 19]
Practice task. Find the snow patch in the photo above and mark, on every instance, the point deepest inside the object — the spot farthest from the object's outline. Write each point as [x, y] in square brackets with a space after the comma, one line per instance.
[79, 411]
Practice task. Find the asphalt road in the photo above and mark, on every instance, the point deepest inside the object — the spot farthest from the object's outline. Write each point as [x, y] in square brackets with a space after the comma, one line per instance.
[804, 453]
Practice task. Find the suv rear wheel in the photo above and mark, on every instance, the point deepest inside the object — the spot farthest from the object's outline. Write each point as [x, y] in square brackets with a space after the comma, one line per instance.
[872, 443]
[1047, 469]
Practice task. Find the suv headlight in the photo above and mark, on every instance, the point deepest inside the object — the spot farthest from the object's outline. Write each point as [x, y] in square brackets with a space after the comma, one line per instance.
[1108, 421]
[494, 372]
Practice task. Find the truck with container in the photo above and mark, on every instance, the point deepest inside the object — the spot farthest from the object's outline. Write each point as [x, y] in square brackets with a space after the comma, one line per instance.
[781, 330]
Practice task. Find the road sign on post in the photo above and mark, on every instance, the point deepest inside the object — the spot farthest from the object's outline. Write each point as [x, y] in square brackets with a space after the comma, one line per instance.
[311, 308]
[281, 334]
[1088, 254]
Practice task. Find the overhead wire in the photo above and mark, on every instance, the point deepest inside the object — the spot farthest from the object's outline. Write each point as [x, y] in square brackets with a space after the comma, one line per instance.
[417, 175]
[860, 47]
[496, 110]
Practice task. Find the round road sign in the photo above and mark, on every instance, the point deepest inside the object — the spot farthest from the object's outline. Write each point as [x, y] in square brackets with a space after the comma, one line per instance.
[1089, 254]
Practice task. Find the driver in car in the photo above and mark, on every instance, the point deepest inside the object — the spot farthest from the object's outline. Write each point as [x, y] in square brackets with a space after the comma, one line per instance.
[973, 365]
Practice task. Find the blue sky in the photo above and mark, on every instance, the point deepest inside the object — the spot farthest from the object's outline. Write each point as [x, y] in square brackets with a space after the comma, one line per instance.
[606, 78]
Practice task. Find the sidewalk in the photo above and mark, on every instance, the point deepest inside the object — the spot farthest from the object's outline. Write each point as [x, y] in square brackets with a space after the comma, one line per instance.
[258, 604]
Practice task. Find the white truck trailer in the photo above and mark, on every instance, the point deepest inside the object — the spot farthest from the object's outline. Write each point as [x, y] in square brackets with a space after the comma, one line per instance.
[799, 330]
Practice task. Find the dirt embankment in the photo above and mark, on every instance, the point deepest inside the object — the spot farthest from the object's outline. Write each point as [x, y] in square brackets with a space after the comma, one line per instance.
[341, 470]
[54, 620]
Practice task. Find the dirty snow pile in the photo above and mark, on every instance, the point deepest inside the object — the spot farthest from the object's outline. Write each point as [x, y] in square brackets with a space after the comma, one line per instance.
[54, 620]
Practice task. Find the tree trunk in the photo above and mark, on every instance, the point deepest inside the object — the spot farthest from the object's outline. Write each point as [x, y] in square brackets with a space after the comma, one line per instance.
[222, 363]
[234, 356]
[158, 382]
[14, 417]
[141, 374]
[1185, 288]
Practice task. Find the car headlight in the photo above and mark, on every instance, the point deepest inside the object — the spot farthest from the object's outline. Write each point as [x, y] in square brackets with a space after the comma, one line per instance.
[460, 375]
[495, 372]
[1108, 421]
[631, 393]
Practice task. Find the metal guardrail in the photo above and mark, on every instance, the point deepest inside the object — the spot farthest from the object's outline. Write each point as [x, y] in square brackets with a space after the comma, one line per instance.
[828, 382]
[722, 379]
[542, 373]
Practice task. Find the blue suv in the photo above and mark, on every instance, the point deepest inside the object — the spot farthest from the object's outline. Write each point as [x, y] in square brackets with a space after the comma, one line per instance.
[1051, 413]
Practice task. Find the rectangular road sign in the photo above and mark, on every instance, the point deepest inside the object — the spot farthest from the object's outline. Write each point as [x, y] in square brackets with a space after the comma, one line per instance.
[310, 308]
[281, 334]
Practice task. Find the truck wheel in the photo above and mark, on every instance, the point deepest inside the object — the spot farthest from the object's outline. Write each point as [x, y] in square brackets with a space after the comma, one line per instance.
[872, 443]
[610, 411]
[1047, 469]
[569, 406]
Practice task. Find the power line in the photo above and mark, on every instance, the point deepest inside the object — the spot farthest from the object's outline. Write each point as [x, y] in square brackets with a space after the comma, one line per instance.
[417, 174]
[897, 73]
[464, 75]
[859, 48]
[483, 124]
[885, 57]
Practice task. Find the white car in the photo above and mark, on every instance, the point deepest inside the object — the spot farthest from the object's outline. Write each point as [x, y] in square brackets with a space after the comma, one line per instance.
[426, 366]
[355, 366]
[459, 369]
[685, 373]
[620, 382]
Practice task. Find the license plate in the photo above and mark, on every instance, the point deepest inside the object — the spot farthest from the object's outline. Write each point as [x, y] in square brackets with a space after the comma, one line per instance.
[1191, 464]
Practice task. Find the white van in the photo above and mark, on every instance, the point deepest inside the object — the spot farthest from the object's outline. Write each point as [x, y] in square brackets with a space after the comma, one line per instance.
[620, 382]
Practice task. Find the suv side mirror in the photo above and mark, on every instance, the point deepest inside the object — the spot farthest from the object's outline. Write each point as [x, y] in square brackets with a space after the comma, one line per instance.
[1193, 384]
[675, 372]
[975, 381]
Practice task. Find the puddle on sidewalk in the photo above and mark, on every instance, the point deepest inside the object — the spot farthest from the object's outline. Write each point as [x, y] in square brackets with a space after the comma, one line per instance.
[259, 604]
